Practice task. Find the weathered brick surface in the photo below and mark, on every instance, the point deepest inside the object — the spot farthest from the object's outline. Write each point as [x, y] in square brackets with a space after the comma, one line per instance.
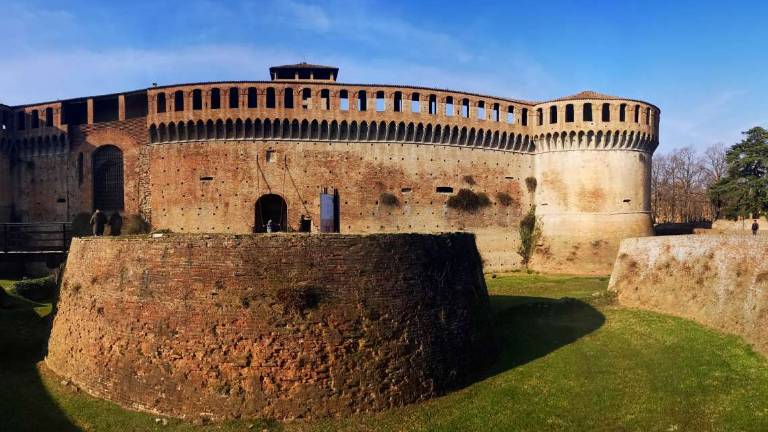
[280, 326]
[593, 171]
[717, 280]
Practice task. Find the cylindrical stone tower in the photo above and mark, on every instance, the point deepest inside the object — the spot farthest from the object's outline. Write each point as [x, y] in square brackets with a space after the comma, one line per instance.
[592, 178]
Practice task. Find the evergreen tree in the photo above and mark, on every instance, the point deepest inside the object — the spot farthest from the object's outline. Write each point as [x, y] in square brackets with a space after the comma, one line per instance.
[743, 192]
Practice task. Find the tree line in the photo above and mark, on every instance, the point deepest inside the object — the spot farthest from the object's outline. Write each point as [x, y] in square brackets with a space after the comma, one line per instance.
[689, 185]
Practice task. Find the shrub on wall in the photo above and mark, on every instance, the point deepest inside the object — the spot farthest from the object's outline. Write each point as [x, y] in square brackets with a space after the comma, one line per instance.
[530, 183]
[504, 199]
[389, 199]
[81, 225]
[530, 233]
[468, 201]
[36, 289]
[468, 179]
[136, 224]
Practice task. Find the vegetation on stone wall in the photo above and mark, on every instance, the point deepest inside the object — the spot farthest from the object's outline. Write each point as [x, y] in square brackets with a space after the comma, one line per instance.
[389, 200]
[136, 224]
[468, 201]
[530, 233]
[530, 183]
[468, 179]
[504, 199]
[36, 289]
[81, 225]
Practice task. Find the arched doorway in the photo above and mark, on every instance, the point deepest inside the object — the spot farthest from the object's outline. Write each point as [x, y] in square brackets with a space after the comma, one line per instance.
[271, 207]
[108, 178]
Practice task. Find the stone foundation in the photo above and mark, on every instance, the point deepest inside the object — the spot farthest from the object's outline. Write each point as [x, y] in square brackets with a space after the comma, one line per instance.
[274, 326]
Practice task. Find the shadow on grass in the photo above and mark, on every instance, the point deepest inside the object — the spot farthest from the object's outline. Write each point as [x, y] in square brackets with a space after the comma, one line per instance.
[528, 328]
[25, 404]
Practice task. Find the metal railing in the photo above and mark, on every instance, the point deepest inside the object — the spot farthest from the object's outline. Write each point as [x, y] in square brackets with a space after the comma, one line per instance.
[41, 237]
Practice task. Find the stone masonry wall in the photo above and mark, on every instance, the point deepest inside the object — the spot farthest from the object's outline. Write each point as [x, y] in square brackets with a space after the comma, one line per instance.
[213, 186]
[277, 326]
[719, 281]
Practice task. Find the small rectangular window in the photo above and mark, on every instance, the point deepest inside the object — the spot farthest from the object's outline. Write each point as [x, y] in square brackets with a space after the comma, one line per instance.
[344, 100]
[444, 189]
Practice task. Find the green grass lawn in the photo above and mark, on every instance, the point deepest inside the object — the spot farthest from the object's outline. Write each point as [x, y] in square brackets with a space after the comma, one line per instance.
[577, 364]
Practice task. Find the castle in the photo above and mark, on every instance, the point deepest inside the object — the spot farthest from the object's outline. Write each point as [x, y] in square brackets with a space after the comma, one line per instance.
[227, 157]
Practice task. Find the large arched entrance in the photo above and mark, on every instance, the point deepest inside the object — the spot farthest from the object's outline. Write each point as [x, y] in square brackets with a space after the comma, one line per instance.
[271, 207]
[108, 178]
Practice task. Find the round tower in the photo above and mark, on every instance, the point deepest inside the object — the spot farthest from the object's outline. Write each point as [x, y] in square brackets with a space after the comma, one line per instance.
[592, 178]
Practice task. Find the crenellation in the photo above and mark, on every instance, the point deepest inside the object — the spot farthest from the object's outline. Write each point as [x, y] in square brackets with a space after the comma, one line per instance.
[295, 136]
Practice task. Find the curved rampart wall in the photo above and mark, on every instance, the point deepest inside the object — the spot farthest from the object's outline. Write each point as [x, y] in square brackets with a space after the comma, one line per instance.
[276, 326]
[718, 280]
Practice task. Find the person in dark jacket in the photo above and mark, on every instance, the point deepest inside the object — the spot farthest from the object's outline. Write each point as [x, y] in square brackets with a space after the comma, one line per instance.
[115, 224]
[98, 220]
[755, 227]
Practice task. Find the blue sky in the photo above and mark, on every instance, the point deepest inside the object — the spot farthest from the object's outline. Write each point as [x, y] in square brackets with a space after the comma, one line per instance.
[703, 63]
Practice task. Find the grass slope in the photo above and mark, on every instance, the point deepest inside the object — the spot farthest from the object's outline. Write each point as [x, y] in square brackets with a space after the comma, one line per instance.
[576, 364]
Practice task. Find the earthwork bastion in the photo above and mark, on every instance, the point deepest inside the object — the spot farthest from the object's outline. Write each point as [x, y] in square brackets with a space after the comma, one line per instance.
[273, 326]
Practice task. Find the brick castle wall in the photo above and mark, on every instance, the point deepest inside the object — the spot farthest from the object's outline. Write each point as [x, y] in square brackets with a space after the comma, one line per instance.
[278, 326]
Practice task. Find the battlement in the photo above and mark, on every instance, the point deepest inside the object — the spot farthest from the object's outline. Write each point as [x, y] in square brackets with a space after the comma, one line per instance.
[198, 157]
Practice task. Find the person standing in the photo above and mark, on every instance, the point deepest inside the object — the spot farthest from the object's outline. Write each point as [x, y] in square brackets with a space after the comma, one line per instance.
[115, 224]
[755, 227]
[98, 220]
[269, 226]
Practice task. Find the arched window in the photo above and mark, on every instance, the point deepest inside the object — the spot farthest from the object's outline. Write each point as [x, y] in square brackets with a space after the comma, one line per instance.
[398, 105]
[325, 99]
[161, 102]
[465, 108]
[623, 112]
[288, 98]
[252, 97]
[270, 97]
[495, 115]
[540, 116]
[344, 100]
[35, 119]
[637, 113]
[108, 178]
[524, 117]
[178, 101]
[606, 117]
[480, 110]
[415, 103]
[306, 98]
[647, 116]
[432, 104]
[49, 117]
[215, 98]
[234, 97]
[553, 114]
[510, 114]
[587, 112]
[381, 104]
[362, 101]
[569, 113]
[197, 99]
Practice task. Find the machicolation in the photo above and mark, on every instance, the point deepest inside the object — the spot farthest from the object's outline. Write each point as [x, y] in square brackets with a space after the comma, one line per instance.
[227, 157]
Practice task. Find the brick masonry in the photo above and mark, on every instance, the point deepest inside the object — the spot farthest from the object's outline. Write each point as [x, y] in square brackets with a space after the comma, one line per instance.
[277, 326]
[194, 162]
[718, 280]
